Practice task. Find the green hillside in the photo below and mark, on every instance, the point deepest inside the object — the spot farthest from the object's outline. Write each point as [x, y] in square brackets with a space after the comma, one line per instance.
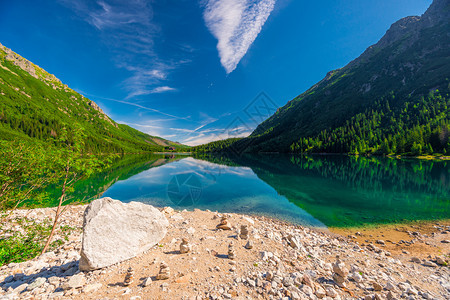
[393, 99]
[36, 106]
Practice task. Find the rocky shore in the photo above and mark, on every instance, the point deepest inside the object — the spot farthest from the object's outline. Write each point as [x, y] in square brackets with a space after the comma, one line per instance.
[257, 258]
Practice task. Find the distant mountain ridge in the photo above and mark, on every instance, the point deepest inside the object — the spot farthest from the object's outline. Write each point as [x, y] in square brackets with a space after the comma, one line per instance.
[405, 76]
[37, 105]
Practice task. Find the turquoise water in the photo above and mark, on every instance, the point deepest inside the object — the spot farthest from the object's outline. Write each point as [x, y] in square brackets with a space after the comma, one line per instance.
[317, 191]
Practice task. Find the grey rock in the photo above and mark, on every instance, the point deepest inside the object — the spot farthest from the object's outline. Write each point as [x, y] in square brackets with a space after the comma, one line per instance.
[415, 259]
[76, 281]
[21, 288]
[340, 269]
[429, 264]
[38, 282]
[249, 244]
[114, 231]
[90, 288]
[440, 261]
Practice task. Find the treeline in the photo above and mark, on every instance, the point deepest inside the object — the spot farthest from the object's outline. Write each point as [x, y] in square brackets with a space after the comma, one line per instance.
[45, 128]
[217, 146]
[410, 129]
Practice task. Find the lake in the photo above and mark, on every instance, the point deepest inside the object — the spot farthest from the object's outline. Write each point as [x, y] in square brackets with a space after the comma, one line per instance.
[320, 191]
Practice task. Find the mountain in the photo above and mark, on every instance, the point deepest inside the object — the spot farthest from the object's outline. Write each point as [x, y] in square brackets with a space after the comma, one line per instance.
[394, 98]
[35, 105]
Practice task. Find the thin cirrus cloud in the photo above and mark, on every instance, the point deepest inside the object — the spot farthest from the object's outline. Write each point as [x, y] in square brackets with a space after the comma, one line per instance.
[127, 28]
[235, 24]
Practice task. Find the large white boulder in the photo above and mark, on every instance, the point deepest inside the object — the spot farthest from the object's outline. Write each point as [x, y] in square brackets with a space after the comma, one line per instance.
[114, 232]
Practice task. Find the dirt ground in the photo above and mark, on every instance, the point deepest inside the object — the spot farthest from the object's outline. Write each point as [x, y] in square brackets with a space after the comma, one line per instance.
[429, 240]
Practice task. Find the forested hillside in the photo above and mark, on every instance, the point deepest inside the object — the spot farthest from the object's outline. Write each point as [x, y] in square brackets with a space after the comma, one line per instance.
[36, 106]
[393, 99]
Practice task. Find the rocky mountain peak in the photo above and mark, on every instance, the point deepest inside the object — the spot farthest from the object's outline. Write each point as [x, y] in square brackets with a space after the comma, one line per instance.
[409, 28]
[438, 12]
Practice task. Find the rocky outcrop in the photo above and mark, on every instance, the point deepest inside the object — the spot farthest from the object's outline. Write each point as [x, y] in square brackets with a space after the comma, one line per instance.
[29, 67]
[408, 28]
[114, 231]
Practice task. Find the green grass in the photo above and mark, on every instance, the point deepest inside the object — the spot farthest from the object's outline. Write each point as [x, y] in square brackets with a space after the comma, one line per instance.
[26, 245]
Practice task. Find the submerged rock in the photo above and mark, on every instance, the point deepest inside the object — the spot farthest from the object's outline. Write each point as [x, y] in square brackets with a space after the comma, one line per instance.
[114, 231]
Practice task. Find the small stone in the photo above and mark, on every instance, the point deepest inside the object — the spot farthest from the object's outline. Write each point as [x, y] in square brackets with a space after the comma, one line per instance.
[249, 244]
[376, 286]
[244, 232]
[231, 252]
[356, 277]
[429, 264]
[164, 272]
[129, 277]
[391, 296]
[224, 224]
[91, 288]
[76, 281]
[389, 286]
[340, 281]
[340, 269]
[415, 259]
[381, 242]
[249, 220]
[147, 282]
[185, 247]
[440, 261]
[320, 292]
[168, 210]
[21, 288]
[190, 230]
[412, 291]
[331, 292]
[251, 282]
[38, 282]
[294, 241]
[446, 241]
[54, 280]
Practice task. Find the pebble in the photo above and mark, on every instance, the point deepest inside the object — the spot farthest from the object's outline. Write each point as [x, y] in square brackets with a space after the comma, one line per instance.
[147, 282]
[74, 282]
[249, 244]
[36, 283]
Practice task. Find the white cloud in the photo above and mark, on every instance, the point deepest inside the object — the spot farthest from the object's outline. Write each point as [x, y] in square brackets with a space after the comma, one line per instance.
[235, 24]
[162, 89]
[156, 90]
[129, 31]
[206, 136]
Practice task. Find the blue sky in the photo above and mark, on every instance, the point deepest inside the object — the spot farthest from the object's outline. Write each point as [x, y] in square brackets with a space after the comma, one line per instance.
[193, 70]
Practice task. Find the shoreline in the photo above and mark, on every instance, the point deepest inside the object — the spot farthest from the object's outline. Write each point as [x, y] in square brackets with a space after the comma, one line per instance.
[287, 260]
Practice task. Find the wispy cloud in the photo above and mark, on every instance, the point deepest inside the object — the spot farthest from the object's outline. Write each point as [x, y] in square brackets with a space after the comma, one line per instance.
[128, 29]
[156, 90]
[205, 137]
[138, 106]
[235, 24]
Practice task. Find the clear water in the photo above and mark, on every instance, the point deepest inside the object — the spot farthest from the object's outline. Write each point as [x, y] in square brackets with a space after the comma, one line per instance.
[317, 191]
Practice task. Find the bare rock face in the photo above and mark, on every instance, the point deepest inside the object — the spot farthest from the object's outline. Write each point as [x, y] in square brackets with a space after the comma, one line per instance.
[114, 232]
